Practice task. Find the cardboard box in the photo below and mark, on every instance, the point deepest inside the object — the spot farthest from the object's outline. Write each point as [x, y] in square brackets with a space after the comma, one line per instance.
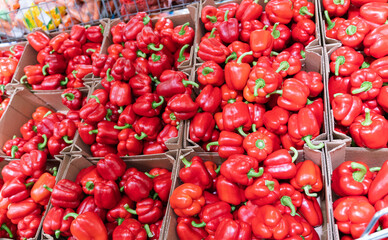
[317, 157]
[60, 162]
[29, 57]
[313, 62]
[201, 31]
[337, 153]
[21, 106]
[142, 163]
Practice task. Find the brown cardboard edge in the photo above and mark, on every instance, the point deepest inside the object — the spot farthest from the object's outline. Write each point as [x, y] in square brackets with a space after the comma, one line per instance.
[325, 40]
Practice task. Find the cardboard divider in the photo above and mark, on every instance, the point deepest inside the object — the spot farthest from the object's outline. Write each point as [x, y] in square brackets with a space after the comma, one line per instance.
[201, 31]
[318, 157]
[337, 153]
[314, 62]
[142, 163]
[29, 57]
[60, 162]
[21, 106]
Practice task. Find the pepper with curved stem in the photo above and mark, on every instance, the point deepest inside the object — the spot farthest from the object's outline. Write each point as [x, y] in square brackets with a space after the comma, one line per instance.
[287, 202]
[198, 225]
[42, 146]
[181, 55]
[237, 73]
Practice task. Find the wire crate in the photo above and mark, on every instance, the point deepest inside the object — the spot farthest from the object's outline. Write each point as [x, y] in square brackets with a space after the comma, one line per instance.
[63, 14]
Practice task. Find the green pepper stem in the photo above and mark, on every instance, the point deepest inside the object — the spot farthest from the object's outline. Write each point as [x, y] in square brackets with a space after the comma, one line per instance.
[295, 156]
[109, 78]
[287, 202]
[274, 92]
[158, 104]
[283, 66]
[35, 128]
[155, 196]
[139, 53]
[241, 131]
[338, 62]
[127, 125]
[213, 19]
[243, 55]
[307, 189]
[102, 28]
[130, 210]
[73, 215]
[14, 149]
[198, 225]
[47, 188]
[365, 86]
[109, 113]
[273, 53]
[55, 171]
[270, 185]
[149, 175]
[183, 31]
[259, 83]
[6, 228]
[185, 162]
[218, 169]
[212, 35]
[119, 221]
[67, 140]
[232, 100]
[368, 119]
[148, 231]
[339, 2]
[47, 113]
[211, 144]
[44, 69]
[207, 70]
[146, 19]
[29, 184]
[308, 138]
[254, 128]
[275, 33]
[141, 137]
[95, 97]
[305, 11]
[153, 47]
[309, 102]
[74, 73]
[155, 57]
[22, 79]
[11, 49]
[122, 189]
[95, 131]
[260, 144]
[172, 116]
[358, 175]
[68, 96]
[252, 173]
[232, 56]
[226, 15]
[351, 30]
[303, 54]
[91, 50]
[181, 57]
[42, 145]
[365, 65]
[375, 169]
[89, 185]
[57, 233]
[185, 83]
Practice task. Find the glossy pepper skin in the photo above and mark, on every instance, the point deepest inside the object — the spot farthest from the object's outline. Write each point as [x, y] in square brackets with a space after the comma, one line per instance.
[66, 194]
[128, 144]
[258, 145]
[137, 185]
[308, 178]
[87, 225]
[186, 230]
[247, 27]
[312, 80]
[210, 73]
[261, 42]
[183, 34]
[187, 200]
[129, 229]
[28, 226]
[140, 84]
[379, 65]
[368, 130]
[148, 210]
[228, 29]
[236, 117]
[233, 229]
[212, 49]
[228, 191]
[248, 10]
[279, 11]
[286, 65]
[14, 147]
[366, 84]
[54, 224]
[269, 223]
[111, 167]
[162, 185]
[229, 143]
[16, 190]
[195, 172]
[376, 190]
[335, 8]
[276, 120]
[209, 99]
[353, 214]
[201, 127]
[38, 40]
[381, 98]
[89, 205]
[280, 164]
[213, 214]
[119, 213]
[93, 112]
[264, 190]
[106, 194]
[34, 74]
[311, 211]
[303, 31]
[352, 32]
[12, 170]
[346, 108]
[175, 85]
[71, 98]
[18, 211]
[305, 129]
[289, 199]
[38, 192]
[182, 106]
[352, 178]
[33, 163]
[374, 40]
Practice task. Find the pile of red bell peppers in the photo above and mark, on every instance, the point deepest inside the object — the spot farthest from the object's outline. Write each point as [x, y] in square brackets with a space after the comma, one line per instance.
[65, 59]
[240, 200]
[47, 131]
[363, 192]
[108, 201]
[9, 60]
[142, 100]
[253, 99]
[357, 87]
[22, 196]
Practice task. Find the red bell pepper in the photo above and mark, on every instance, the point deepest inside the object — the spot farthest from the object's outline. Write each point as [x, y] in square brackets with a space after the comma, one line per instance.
[367, 130]
[7, 229]
[303, 31]
[65, 194]
[209, 99]
[34, 74]
[111, 167]
[286, 65]
[209, 17]
[381, 98]
[128, 143]
[89, 205]
[38, 142]
[258, 145]
[38, 40]
[236, 117]
[40, 194]
[119, 213]
[366, 84]
[289, 199]
[93, 112]
[95, 33]
[212, 49]
[349, 218]
[140, 84]
[270, 223]
[28, 226]
[308, 178]
[352, 32]
[182, 106]
[276, 120]
[201, 127]
[12, 170]
[174, 86]
[193, 200]
[280, 164]
[195, 172]
[87, 225]
[100, 150]
[261, 42]
[281, 34]
[247, 27]
[147, 128]
[148, 40]
[17, 211]
[229, 143]
[183, 34]
[210, 73]
[312, 80]
[381, 204]
[376, 191]
[228, 29]
[260, 83]
[158, 62]
[137, 185]
[303, 10]
[379, 65]
[120, 94]
[264, 190]
[345, 61]
[54, 64]
[106, 194]
[71, 98]
[248, 10]
[147, 210]
[131, 228]
[346, 108]
[332, 25]
[17, 51]
[16, 190]
[66, 130]
[228, 191]
[14, 147]
[279, 11]
[237, 73]
[233, 229]
[54, 224]
[33, 163]
[102, 64]
[311, 211]
[336, 8]
[78, 33]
